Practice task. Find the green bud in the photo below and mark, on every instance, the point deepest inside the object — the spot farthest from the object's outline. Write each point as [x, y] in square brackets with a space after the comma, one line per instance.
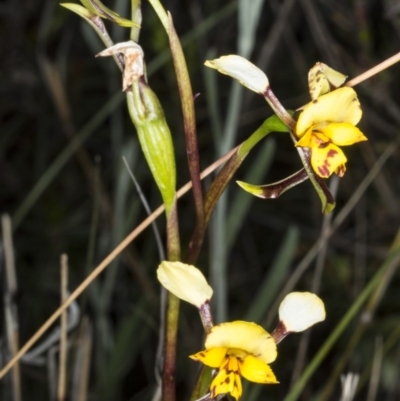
[155, 138]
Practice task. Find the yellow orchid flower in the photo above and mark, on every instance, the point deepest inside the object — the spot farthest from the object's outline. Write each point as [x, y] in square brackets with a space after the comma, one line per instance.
[238, 349]
[326, 123]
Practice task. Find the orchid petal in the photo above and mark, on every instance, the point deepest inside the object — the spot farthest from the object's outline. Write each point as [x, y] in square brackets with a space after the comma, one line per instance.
[226, 382]
[242, 70]
[343, 134]
[327, 159]
[211, 357]
[245, 336]
[257, 371]
[322, 78]
[339, 106]
[300, 310]
[185, 281]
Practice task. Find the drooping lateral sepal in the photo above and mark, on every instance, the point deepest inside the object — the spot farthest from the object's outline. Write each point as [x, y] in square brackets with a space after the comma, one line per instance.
[276, 189]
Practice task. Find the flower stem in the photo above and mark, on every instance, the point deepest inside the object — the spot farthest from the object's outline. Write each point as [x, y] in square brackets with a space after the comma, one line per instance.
[206, 317]
[279, 333]
[160, 11]
[172, 314]
[169, 366]
[278, 109]
[192, 151]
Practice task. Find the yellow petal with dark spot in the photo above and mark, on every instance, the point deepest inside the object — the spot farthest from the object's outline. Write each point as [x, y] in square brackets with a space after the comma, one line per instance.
[213, 357]
[326, 160]
[256, 371]
[312, 139]
[245, 336]
[343, 134]
[237, 390]
[226, 382]
[322, 79]
[317, 82]
[338, 106]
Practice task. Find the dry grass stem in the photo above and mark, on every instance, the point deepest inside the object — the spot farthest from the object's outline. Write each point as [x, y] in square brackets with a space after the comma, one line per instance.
[82, 362]
[62, 370]
[375, 70]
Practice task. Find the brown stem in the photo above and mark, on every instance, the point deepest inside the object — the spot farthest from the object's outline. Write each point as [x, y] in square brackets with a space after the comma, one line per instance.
[189, 120]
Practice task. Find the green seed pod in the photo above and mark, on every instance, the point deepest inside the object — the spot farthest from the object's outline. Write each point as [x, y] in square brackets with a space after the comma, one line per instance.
[155, 138]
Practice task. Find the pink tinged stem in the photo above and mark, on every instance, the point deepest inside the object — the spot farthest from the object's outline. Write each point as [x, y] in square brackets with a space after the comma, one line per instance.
[279, 333]
[206, 316]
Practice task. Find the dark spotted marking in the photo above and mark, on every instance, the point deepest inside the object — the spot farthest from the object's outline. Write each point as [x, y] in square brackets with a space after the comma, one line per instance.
[324, 169]
[315, 101]
[227, 380]
[341, 170]
[324, 172]
[202, 354]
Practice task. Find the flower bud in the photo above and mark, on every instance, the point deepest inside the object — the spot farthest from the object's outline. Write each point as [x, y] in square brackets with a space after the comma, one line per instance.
[185, 281]
[155, 138]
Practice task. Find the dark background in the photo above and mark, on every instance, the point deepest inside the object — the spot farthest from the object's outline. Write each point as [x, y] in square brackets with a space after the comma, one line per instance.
[79, 200]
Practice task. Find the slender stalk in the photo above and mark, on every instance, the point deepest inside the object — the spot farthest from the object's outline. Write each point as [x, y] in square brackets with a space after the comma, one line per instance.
[62, 371]
[169, 366]
[189, 120]
[136, 18]
[375, 70]
[160, 11]
[279, 110]
[272, 124]
[173, 243]
[172, 314]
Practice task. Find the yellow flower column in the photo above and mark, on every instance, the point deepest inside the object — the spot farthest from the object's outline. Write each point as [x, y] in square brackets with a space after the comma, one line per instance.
[238, 349]
[326, 123]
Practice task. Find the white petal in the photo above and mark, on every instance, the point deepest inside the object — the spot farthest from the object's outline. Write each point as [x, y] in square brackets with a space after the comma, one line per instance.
[242, 70]
[301, 310]
[185, 281]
